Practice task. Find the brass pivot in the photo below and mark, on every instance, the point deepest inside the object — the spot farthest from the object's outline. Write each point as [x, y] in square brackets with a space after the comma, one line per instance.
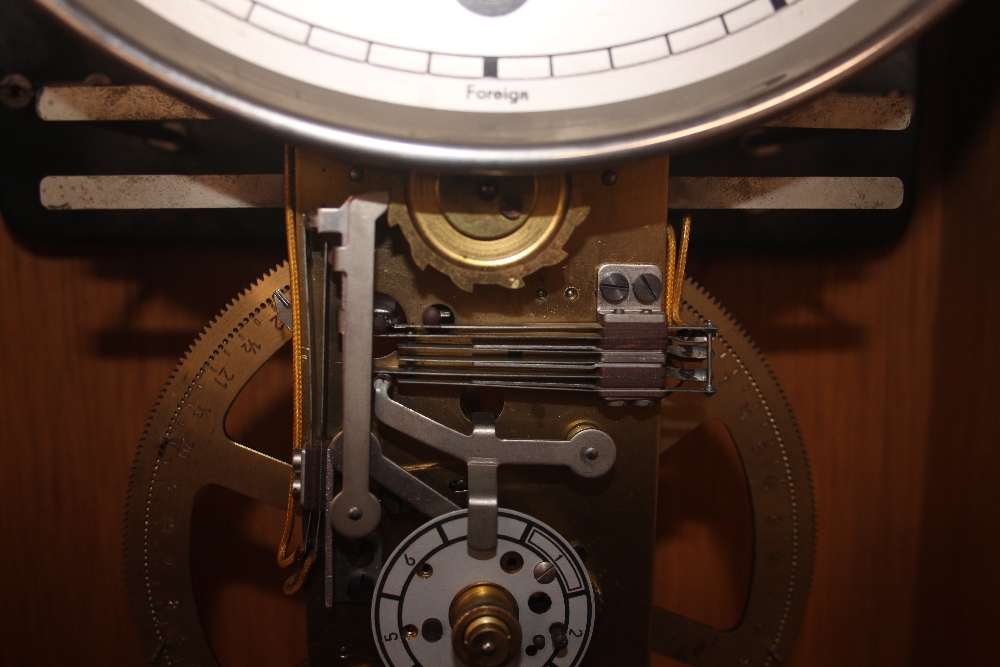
[484, 627]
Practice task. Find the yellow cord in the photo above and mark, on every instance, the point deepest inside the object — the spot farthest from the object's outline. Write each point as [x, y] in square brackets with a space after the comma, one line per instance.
[285, 558]
[678, 273]
[295, 582]
[668, 284]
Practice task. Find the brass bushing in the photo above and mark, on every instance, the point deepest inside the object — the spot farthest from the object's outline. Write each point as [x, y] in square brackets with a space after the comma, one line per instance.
[484, 627]
[494, 241]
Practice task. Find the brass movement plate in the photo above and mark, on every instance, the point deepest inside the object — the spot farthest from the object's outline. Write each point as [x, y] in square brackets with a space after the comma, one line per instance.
[612, 518]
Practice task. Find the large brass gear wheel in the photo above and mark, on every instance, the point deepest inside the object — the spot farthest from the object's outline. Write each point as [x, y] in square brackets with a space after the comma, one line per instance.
[185, 448]
[751, 405]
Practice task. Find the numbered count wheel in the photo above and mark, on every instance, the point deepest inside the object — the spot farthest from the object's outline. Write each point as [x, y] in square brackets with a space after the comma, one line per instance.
[427, 594]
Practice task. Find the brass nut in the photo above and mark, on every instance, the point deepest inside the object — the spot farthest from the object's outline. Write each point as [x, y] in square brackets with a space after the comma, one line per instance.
[487, 640]
[498, 239]
[485, 627]
[577, 427]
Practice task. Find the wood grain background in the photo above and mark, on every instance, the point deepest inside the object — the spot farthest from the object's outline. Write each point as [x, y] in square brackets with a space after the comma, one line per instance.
[887, 355]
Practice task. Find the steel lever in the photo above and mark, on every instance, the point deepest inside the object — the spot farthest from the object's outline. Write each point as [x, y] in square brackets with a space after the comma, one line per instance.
[394, 478]
[355, 512]
[589, 453]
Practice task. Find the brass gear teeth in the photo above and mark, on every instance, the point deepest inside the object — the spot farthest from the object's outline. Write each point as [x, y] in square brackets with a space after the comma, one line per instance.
[158, 649]
[181, 363]
[758, 355]
[784, 523]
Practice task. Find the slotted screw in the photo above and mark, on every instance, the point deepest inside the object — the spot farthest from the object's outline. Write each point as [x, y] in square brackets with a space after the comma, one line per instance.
[614, 287]
[511, 206]
[647, 288]
[544, 572]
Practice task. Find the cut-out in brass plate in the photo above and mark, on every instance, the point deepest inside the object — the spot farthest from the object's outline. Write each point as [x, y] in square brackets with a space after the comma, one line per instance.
[487, 230]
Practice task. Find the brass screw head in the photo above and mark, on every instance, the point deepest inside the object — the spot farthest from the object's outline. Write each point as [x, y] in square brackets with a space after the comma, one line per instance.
[487, 640]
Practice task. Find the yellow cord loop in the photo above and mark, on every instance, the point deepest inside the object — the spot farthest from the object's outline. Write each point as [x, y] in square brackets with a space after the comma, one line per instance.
[668, 283]
[295, 582]
[284, 557]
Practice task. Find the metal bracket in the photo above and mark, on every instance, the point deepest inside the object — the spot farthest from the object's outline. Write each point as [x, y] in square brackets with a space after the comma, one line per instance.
[283, 308]
[630, 292]
[588, 453]
[355, 512]
[309, 476]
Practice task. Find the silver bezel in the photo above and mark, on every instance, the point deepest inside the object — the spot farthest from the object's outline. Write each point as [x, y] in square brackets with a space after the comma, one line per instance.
[382, 132]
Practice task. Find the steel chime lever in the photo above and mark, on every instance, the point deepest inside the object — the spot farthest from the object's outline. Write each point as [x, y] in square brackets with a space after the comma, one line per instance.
[589, 452]
[355, 512]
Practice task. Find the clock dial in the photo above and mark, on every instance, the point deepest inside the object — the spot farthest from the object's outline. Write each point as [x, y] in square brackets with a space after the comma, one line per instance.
[544, 55]
[500, 83]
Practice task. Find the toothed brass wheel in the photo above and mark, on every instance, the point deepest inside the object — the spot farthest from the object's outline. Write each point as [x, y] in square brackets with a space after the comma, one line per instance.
[752, 408]
[185, 448]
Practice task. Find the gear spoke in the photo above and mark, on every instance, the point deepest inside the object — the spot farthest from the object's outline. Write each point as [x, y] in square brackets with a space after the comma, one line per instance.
[682, 414]
[184, 449]
[248, 472]
[673, 635]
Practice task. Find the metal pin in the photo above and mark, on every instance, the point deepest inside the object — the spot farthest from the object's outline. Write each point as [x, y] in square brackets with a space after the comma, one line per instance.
[511, 206]
[558, 633]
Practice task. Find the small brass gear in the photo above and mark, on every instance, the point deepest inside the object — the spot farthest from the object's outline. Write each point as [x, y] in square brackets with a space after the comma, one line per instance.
[487, 230]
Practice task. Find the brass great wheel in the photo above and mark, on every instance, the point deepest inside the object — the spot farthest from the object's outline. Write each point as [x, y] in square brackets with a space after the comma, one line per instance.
[752, 408]
[185, 449]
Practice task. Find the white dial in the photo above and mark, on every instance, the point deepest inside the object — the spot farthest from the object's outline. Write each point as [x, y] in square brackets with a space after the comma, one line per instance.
[500, 84]
[416, 592]
[543, 55]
